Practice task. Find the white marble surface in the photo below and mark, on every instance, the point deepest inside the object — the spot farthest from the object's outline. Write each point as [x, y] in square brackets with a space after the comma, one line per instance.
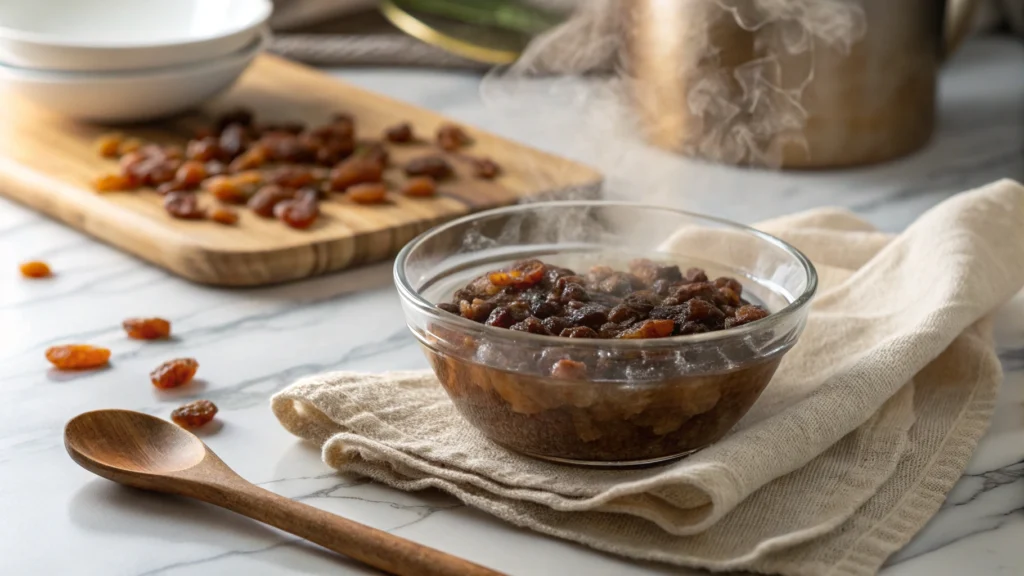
[57, 519]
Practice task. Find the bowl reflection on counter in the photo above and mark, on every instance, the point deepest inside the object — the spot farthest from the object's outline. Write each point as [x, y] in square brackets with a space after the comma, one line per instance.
[640, 401]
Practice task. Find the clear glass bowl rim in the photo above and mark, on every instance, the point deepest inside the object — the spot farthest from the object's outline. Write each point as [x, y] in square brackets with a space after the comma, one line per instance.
[413, 297]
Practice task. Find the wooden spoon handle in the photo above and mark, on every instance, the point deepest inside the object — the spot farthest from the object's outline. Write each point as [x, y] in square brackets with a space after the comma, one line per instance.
[368, 545]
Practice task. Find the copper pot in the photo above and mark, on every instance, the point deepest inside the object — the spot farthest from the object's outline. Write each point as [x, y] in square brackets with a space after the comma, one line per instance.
[711, 80]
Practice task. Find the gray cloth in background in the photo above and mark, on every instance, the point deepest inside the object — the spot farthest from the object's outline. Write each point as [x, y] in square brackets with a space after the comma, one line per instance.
[352, 32]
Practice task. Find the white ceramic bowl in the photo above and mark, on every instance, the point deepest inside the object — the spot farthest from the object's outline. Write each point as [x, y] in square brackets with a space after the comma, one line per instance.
[129, 96]
[106, 35]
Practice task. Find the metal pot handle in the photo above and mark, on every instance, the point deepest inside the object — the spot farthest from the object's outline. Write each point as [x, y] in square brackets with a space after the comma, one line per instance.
[959, 17]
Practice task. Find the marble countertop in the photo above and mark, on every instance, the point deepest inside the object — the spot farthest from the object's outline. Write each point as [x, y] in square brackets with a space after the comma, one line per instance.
[58, 519]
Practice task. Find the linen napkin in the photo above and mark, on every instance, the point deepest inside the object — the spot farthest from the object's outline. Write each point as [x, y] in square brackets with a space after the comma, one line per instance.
[853, 446]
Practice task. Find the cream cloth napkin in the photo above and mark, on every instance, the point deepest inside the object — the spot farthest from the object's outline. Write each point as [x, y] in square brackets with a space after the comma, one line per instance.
[869, 421]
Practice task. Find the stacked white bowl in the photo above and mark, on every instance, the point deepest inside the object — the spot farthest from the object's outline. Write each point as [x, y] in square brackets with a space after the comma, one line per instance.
[126, 60]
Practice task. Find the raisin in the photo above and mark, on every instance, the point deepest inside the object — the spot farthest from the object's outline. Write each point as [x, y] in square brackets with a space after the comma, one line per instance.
[377, 153]
[77, 356]
[263, 202]
[368, 193]
[226, 189]
[451, 137]
[249, 160]
[590, 315]
[203, 150]
[183, 205]
[623, 313]
[545, 309]
[649, 271]
[334, 151]
[172, 186]
[649, 329]
[355, 171]
[579, 332]
[420, 187]
[696, 275]
[573, 291]
[566, 369]
[399, 133]
[147, 328]
[642, 301]
[686, 292]
[301, 212]
[448, 307]
[194, 414]
[291, 177]
[698, 310]
[174, 373]
[522, 274]
[727, 297]
[730, 283]
[35, 269]
[485, 168]
[745, 315]
[531, 325]
[114, 183]
[109, 145]
[556, 324]
[215, 168]
[224, 215]
[233, 140]
[619, 284]
[478, 310]
[434, 166]
[501, 317]
[191, 173]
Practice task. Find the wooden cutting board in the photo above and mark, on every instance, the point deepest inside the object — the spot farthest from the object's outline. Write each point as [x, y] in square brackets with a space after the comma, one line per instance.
[47, 162]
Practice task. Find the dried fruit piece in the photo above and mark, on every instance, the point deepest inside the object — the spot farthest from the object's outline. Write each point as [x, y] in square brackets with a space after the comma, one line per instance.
[147, 328]
[249, 160]
[77, 356]
[35, 269]
[451, 137]
[745, 315]
[172, 186]
[191, 173]
[263, 202]
[354, 171]
[434, 166]
[129, 145]
[226, 189]
[224, 215]
[399, 133]
[301, 212]
[376, 152]
[291, 177]
[114, 183]
[522, 274]
[369, 193]
[174, 373]
[184, 206]
[420, 187]
[109, 145]
[649, 329]
[194, 414]
[485, 168]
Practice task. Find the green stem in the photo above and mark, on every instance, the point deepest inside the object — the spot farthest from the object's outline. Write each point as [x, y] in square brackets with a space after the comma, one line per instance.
[504, 14]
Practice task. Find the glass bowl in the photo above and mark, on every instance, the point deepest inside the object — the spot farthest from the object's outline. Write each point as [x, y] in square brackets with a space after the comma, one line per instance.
[639, 401]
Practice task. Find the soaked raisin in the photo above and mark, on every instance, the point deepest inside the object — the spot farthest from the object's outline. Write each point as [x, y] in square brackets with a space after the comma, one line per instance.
[263, 202]
[399, 133]
[174, 373]
[522, 274]
[746, 314]
[35, 269]
[420, 187]
[224, 215]
[449, 307]
[147, 328]
[368, 193]
[194, 414]
[556, 324]
[579, 332]
[114, 183]
[478, 310]
[109, 145]
[434, 166]
[485, 168]
[77, 356]
[566, 369]
[501, 317]
[451, 137]
[649, 329]
[696, 275]
[203, 150]
[623, 313]
[183, 205]
[355, 171]
[531, 325]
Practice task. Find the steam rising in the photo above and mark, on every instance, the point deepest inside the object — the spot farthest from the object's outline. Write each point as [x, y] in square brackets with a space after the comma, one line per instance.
[718, 79]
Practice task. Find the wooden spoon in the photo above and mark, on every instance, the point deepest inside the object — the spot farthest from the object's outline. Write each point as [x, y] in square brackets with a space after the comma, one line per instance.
[146, 452]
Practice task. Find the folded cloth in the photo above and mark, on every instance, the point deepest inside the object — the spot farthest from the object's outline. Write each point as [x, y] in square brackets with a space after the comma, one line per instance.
[853, 446]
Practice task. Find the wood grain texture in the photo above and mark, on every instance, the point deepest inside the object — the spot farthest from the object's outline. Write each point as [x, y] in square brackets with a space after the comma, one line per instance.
[47, 162]
[146, 452]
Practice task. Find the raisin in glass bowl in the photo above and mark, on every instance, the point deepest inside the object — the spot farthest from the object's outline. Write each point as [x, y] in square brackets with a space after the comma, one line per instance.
[612, 399]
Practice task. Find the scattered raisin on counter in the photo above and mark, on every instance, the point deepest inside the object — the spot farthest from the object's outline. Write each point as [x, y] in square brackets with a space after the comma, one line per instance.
[651, 300]
[184, 206]
[399, 133]
[35, 269]
[451, 137]
[147, 328]
[485, 168]
[77, 356]
[434, 166]
[368, 193]
[194, 414]
[419, 186]
[174, 373]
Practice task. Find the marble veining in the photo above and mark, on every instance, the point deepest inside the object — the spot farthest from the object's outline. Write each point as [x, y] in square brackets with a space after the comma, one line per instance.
[58, 519]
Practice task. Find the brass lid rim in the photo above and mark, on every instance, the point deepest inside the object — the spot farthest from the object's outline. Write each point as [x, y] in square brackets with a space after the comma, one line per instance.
[417, 29]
